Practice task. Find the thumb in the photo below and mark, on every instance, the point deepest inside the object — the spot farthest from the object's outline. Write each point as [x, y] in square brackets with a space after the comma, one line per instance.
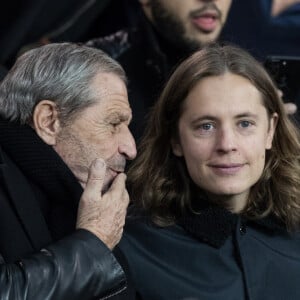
[95, 180]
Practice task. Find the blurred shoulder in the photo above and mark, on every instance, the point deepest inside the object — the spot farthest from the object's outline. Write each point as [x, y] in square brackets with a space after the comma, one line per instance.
[114, 44]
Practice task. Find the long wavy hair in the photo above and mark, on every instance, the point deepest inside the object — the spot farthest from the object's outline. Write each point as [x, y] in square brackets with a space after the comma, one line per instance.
[158, 180]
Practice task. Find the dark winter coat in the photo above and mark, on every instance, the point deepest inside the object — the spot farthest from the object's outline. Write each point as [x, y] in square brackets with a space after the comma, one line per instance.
[212, 256]
[42, 256]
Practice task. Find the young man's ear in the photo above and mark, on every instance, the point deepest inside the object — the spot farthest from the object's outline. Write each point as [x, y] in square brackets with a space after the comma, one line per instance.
[176, 148]
[46, 122]
[272, 129]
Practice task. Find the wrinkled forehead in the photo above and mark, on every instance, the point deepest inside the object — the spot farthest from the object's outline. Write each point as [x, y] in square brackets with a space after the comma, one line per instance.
[108, 85]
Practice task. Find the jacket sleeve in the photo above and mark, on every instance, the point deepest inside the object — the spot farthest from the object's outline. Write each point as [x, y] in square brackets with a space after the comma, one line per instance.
[79, 267]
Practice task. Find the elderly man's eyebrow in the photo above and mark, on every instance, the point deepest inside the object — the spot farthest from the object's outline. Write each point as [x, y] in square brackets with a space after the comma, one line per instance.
[119, 116]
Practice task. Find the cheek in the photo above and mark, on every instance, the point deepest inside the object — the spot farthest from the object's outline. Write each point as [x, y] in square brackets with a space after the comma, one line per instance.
[195, 154]
[259, 167]
[256, 153]
[106, 148]
[195, 149]
[224, 8]
[101, 140]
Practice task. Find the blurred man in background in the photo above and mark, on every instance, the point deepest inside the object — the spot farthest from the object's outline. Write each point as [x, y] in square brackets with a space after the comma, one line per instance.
[160, 34]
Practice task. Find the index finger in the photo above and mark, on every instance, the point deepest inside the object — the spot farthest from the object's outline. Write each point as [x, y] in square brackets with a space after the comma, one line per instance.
[95, 180]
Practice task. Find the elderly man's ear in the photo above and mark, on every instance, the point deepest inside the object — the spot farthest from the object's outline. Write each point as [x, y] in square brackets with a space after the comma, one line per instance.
[46, 122]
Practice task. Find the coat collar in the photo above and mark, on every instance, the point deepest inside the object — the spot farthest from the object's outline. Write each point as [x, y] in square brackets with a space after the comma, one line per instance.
[45, 173]
[213, 224]
[24, 203]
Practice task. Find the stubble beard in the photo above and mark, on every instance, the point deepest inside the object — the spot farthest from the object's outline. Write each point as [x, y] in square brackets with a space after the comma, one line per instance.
[172, 29]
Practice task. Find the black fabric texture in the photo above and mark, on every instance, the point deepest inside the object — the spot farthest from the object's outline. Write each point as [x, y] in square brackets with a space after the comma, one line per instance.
[48, 173]
[213, 224]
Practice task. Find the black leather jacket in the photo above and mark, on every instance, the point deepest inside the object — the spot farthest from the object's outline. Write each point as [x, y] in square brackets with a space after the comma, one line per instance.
[64, 270]
[76, 265]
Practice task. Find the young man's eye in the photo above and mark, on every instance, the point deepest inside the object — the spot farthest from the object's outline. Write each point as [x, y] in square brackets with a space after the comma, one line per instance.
[206, 126]
[245, 124]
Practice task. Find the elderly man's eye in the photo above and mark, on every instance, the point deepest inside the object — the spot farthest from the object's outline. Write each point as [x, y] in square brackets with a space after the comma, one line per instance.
[115, 123]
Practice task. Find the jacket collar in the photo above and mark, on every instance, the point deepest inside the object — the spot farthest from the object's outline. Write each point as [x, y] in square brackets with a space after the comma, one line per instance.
[47, 174]
[24, 203]
[213, 224]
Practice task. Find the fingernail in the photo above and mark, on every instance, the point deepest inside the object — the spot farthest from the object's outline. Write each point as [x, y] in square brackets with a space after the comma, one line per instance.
[99, 164]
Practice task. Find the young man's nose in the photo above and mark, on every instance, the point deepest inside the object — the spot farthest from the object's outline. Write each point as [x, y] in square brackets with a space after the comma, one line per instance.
[226, 140]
